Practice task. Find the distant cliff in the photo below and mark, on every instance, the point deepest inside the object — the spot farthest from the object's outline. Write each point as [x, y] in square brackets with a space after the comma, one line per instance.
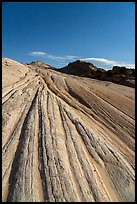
[119, 75]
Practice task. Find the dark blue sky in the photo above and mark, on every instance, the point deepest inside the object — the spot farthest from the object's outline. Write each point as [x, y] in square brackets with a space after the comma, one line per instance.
[58, 33]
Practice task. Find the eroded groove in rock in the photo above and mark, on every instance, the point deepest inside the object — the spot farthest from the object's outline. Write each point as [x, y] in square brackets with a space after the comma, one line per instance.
[20, 109]
[57, 174]
[41, 153]
[23, 184]
[79, 177]
[92, 167]
[16, 88]
[10, 147]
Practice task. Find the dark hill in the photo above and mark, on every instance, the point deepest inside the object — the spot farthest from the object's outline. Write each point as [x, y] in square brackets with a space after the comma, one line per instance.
[119, 75]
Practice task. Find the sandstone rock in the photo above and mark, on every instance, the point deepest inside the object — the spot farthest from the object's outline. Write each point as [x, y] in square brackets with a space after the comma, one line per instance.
[65, 138]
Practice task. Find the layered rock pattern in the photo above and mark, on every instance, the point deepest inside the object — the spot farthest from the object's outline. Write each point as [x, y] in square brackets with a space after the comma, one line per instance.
[65, 138]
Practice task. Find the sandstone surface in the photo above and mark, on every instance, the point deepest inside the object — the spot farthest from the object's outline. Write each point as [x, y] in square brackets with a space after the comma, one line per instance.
[65, 138]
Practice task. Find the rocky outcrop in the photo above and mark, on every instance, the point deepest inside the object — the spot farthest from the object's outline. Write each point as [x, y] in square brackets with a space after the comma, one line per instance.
[65, 138]
[118, 75]
[37, 64]
[79, 68]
